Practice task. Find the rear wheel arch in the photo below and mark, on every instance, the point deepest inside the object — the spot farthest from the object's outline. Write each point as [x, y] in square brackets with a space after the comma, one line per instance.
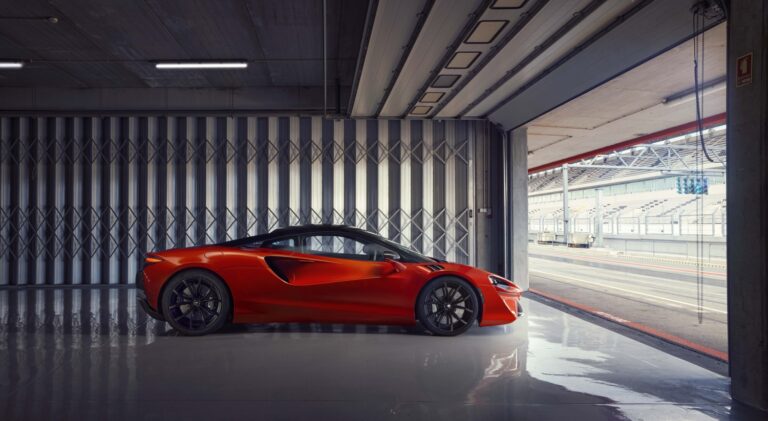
[198, 268]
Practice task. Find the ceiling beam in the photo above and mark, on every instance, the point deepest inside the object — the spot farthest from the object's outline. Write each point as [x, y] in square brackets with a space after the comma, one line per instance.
[404, 57]
[682, 129]
[472, 20]
[367, 29]
[162, 100]
[486, 58]
[576, 19]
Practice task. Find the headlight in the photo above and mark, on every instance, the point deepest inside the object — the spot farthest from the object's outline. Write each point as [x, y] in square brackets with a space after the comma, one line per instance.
[499, 281]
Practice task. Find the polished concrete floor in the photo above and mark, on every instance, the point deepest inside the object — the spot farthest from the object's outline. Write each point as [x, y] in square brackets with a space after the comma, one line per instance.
[92, 354]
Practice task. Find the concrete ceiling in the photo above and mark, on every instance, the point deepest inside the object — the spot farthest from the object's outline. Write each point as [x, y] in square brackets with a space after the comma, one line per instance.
[546, 53]
[112, 44]
[386, 58]
[632, 105]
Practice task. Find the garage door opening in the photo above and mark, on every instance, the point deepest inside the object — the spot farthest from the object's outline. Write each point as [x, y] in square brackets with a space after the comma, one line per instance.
[635, 230]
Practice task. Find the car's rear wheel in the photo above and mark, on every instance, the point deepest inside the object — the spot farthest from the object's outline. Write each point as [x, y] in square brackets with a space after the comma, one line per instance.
[447, 306]
[195, 302]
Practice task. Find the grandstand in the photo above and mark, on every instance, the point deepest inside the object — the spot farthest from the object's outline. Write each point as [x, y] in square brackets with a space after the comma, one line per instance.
[639, 188]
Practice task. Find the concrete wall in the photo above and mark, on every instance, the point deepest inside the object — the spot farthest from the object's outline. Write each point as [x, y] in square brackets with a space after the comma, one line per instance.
[713, 249]
[517, 206]
[748, 205]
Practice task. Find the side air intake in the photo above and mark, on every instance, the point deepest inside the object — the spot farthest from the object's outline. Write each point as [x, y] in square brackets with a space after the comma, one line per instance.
[434, 268]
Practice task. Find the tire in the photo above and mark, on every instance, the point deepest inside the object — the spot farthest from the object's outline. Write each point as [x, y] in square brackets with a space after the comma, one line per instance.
[447, 306]
[195, 302]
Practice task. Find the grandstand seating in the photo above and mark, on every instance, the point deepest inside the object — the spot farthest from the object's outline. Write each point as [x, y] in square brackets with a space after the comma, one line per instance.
[661, 201]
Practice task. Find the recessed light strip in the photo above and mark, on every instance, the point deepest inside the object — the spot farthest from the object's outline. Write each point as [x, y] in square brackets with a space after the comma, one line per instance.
[11, 64]
[202, 65]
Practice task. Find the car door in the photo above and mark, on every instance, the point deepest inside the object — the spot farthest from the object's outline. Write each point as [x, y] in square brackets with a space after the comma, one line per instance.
[336, 278]
[336, 259]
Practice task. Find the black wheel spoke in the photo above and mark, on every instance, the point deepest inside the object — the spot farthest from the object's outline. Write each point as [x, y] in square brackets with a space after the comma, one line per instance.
[461, 299]
[435, 297]
[452, 293]
[445, 291]
[210, 312]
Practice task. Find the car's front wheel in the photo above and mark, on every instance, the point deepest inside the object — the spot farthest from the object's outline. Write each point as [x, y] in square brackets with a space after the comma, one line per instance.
[195, 302]
[447, 306]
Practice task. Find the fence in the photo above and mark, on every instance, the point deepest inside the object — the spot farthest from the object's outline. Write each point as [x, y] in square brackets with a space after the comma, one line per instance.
[711, 225]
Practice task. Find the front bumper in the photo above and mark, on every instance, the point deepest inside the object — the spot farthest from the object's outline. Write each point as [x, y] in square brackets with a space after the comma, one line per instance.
[501, 304]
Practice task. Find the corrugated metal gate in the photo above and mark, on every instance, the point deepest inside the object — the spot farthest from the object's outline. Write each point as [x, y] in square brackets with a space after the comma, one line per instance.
[83, 198]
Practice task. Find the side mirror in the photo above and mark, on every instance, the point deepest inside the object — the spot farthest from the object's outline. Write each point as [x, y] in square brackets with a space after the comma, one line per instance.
[393, 259]
[390, 255]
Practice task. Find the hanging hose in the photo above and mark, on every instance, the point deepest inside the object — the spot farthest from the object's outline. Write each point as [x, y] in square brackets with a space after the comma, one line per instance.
[698, 12]
[698, 28]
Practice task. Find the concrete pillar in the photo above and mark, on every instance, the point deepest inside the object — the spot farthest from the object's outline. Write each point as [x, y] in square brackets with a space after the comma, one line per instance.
[516, 158]
[747, 182]
[598, 217]
[566, 207]
[723, 225]
[489, 198]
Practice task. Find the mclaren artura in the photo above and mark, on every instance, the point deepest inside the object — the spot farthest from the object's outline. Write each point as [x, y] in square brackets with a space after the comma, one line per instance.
[322, 274]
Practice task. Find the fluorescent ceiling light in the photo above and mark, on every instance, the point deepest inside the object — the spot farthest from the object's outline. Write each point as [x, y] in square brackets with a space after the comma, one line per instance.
[202, 65]
[462, 60]
[421, 110]
[508, 4]
[11, 64]
[432, 97]
[444, 81]
[690, 95]
[486, 31]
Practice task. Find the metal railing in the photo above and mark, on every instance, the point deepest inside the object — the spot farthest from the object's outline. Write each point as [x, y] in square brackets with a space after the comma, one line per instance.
[710, 225]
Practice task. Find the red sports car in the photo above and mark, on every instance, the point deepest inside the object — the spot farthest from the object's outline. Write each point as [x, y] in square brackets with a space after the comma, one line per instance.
[324, 274]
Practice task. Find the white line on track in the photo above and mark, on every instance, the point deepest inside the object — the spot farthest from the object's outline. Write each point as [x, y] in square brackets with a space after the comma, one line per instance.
[655, 297]
[674, 285]
[710, 274]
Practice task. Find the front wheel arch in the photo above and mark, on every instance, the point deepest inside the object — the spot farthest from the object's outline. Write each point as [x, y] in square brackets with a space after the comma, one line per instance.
[480, 299]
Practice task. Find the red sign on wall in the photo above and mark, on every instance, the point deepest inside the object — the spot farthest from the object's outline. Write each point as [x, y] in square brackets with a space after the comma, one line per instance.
[744, 70]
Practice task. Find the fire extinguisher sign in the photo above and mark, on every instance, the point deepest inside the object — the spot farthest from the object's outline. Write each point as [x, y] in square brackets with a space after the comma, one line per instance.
[744, 70]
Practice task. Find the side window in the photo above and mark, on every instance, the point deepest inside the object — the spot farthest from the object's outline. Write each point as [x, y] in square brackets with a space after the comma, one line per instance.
[335, 246]
[281, 244]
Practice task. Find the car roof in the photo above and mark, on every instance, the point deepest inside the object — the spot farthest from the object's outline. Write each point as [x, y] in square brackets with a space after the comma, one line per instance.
[298, 230]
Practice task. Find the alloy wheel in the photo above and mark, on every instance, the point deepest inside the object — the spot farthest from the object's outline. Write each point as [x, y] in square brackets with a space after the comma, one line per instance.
[195, 304]
[449, 307]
